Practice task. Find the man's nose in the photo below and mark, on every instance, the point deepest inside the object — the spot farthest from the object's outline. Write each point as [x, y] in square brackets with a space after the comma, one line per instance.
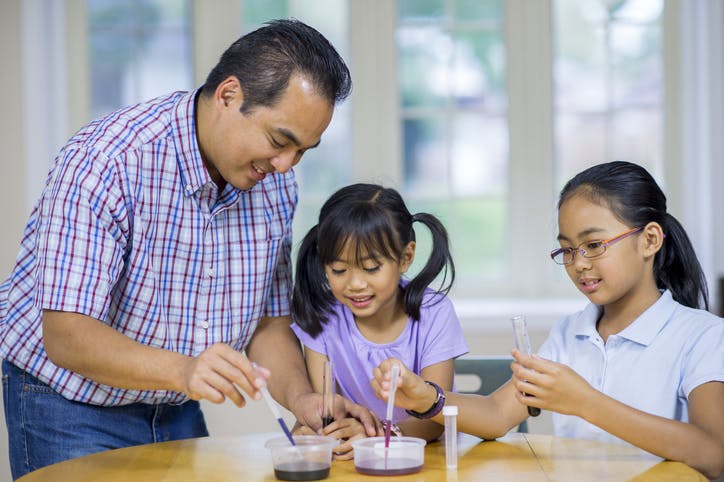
[284, 160]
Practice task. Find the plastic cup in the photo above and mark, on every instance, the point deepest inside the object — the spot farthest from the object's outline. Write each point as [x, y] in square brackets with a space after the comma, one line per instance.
[309, 459]
[405, 455]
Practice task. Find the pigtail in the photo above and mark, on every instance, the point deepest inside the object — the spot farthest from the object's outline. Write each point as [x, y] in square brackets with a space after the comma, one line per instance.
[440, 261]
[677, 268]
[311, 298]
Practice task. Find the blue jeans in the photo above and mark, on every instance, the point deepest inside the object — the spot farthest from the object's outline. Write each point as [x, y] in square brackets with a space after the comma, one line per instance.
[45, 428]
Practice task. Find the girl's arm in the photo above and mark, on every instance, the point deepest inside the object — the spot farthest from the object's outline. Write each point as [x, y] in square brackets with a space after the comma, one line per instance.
[487, 417]
[442, 374]
[315, 366]
[699, 443]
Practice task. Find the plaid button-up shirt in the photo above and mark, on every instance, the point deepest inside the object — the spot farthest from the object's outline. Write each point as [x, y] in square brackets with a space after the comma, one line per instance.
[132, 231]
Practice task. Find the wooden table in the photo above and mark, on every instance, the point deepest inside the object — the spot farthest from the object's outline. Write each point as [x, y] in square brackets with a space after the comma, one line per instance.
[519, 457]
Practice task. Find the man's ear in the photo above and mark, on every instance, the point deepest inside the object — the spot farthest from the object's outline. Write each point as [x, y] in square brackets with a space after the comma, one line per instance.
[652, 238]
[408, 256]
[228, 93]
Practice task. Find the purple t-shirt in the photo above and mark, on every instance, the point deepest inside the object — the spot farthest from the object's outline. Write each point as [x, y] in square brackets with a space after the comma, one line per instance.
[437, 337]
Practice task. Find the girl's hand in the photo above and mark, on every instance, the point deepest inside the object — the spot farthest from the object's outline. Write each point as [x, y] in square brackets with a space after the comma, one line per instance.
[346, 431]
[549, 385]
[369, 421]
[412, 391]
[300, 429]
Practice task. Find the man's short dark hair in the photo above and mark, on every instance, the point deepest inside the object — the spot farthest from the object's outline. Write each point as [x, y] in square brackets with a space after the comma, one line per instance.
[265, 59]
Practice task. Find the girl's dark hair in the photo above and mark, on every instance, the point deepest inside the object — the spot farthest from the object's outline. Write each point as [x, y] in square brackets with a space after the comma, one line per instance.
[378, 224]
[632, 194]
[265, 59]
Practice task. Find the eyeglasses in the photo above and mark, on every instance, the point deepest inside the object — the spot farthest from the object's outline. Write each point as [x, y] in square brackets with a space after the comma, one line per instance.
[589, 249]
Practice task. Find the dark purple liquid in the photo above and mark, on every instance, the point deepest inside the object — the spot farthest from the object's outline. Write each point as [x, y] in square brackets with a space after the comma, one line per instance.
[391, 466]
[327, 420]
[388, 428]
[301, 471]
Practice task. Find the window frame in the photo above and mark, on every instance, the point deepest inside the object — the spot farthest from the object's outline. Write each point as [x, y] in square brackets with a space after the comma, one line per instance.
[692, 144]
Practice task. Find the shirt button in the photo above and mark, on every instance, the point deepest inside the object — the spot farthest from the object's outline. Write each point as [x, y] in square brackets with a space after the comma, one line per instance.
[209, 272]
[205, 324]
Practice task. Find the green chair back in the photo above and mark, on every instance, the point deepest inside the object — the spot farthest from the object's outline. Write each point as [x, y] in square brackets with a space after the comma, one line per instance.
[492, 373]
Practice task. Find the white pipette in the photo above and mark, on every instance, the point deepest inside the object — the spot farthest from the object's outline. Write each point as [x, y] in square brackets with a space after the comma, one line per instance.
[275, 410]
[391, 403]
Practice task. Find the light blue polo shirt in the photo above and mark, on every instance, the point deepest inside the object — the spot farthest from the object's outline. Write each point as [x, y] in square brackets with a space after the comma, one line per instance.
[652, 365]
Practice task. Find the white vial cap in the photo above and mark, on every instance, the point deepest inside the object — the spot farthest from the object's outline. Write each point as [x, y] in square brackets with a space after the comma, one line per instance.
[449, 410]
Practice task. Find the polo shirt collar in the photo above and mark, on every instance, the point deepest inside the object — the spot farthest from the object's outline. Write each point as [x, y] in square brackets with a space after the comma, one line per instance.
[643, 330]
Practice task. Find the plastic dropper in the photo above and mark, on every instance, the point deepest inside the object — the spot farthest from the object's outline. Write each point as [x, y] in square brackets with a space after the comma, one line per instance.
[391, 403]
[275, 410]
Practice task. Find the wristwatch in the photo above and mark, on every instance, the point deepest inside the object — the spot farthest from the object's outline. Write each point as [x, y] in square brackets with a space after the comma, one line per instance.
[436, 405]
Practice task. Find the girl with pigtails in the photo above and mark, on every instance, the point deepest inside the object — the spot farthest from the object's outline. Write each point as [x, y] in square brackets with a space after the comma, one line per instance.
[353, 305]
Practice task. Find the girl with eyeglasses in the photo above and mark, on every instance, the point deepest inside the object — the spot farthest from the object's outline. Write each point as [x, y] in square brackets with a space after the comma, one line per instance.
[643, 363]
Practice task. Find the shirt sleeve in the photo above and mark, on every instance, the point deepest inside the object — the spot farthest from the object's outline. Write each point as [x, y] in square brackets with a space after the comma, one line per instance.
[704, 360]
[82, 234]
[552, 346]
[444, 339]
[317, 344]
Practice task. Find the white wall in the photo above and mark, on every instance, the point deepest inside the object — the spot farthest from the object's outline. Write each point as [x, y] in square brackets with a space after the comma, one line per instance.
[12, 173]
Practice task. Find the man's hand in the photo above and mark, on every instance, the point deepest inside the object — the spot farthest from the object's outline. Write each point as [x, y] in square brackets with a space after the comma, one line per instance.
[220, 372]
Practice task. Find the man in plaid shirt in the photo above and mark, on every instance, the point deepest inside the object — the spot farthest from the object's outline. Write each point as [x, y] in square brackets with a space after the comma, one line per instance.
[160, 251]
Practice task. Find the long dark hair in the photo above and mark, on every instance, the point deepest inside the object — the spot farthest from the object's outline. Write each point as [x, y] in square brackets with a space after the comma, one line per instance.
[376, 220]
[632, 194]
[265, 59]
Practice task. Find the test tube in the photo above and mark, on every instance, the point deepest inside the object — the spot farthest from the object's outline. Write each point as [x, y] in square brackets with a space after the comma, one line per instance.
[522, 343]
[328, 383]
[450, 413]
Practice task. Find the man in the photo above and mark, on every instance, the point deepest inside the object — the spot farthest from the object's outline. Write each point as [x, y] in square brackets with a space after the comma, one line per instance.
[160, 250]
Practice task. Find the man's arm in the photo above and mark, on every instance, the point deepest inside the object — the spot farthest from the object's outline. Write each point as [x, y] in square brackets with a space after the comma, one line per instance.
[97, 351]
[275, 347]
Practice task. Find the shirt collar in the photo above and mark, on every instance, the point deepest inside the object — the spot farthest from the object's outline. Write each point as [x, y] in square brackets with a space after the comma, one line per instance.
[643, 330]
[194, 174]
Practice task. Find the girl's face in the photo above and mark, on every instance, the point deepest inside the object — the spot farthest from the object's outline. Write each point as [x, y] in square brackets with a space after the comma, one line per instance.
[622, 276]
[369, 290]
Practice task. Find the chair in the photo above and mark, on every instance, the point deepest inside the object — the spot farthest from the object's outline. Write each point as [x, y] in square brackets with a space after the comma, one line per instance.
[491, 372]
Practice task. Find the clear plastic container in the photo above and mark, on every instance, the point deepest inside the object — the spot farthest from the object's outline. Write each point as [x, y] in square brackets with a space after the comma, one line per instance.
[309, 459]
[405, 455]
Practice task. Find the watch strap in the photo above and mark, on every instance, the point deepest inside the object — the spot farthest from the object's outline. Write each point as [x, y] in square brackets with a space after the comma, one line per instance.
[436, 405]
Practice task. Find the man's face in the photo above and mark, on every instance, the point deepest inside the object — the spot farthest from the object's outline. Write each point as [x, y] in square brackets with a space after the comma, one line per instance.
[242, 149]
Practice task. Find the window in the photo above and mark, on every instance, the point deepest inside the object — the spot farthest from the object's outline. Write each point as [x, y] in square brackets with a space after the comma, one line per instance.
[327, 167]
[609, 84]
[138, 49]
[453, 111]
[477, 110]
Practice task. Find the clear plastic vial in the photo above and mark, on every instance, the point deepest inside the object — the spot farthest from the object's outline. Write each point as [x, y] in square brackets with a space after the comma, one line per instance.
[450, 412]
